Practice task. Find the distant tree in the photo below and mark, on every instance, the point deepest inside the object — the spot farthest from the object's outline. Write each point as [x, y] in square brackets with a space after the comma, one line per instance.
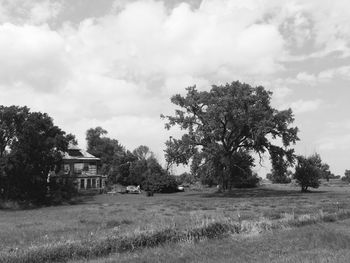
[185, 178]
[156, 179]
[121, 168]
[111, 153]
[326, 173]
[143, 153]
[308, 171]
[346, 176]
[31, 147]
[279, 171]
[138, 169]
[226, 124]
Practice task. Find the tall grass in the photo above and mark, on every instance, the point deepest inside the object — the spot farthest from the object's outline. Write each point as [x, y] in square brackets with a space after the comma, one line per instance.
[206, 229]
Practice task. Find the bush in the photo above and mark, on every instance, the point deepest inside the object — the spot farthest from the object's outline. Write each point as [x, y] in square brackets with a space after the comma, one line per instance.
[185, 178]
[249, 181]
[160, 183]
[149, 193]
[278, 178]
[346, 177]
[308, 172]
[60, 193]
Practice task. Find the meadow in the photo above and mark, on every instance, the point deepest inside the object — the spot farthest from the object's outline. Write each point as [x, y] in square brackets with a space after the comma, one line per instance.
[273, 221]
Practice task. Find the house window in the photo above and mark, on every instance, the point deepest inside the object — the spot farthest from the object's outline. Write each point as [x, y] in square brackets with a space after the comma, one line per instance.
[66, 168]
[88, 183]
[78, 167]
[86, 167]
[93, 183]
[92, 168]
[82, 183]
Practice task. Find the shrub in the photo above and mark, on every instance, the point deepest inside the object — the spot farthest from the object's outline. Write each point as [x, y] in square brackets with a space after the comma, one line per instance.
[149, 193]
[160, 183]
[308, 172]
[277, 178]
[249, 181]
[185, 178]
[60, 193]
[346, 177]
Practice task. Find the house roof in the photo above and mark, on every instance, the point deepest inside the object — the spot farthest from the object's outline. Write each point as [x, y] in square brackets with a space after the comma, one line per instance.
[76, 153]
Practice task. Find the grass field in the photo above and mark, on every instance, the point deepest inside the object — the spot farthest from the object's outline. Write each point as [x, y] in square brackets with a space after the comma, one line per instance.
[327, 242]
[101, 216]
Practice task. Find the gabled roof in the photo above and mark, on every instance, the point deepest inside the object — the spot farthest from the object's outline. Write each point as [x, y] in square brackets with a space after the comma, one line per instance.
[76, 153]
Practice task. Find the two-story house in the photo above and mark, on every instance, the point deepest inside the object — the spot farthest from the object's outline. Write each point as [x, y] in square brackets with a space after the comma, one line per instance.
[81, 168]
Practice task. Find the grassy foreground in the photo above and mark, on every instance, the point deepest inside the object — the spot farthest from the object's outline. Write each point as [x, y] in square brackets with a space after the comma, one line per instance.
[104, 224]
[321, 243]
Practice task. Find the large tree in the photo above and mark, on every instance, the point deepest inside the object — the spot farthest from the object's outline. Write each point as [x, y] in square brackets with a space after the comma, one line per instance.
[31, 147]
[225, 125]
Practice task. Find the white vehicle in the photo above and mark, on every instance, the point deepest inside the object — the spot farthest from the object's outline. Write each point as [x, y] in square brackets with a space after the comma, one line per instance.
[131, 189]
[181, 188]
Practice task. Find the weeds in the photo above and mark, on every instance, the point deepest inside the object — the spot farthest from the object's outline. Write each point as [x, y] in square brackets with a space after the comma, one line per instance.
[116, 223]
[206, 229]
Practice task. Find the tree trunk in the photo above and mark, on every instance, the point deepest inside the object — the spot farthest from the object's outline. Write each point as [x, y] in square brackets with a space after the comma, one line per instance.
[304, 189]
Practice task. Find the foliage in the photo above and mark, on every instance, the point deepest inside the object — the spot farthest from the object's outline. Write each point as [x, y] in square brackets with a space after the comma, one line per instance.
[61, 192]
[143, 153]
[346, 176]
[108, 150]
[325, 172]
[31, 146]
[308, 171]
[279, 172]
[160, 183]
[279, 177]
[225, 125]
[156, 179]
[139, 167]
[185, 178]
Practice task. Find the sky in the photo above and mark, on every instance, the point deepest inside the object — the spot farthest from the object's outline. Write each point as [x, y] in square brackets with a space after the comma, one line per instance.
[115, 64]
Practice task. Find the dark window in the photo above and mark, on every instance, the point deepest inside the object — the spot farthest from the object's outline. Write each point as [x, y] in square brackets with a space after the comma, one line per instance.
[88, 183]
[86, 167]
[82, 183]
[93, 183]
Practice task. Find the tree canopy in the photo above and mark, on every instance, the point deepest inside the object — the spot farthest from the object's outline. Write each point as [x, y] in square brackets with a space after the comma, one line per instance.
[225, 125]
[139, 167]
[30, 147]
[309, 171]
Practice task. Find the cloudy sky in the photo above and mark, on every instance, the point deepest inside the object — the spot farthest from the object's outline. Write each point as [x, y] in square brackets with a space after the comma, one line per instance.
[115, 64]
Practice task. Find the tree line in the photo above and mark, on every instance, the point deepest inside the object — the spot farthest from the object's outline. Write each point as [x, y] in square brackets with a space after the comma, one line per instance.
[224, 129]
[137, 167]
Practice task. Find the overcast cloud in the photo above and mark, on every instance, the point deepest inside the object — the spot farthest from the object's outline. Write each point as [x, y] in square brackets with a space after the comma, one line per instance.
[115, 64]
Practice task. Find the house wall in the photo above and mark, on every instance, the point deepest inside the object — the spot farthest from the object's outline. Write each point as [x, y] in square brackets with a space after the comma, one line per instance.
[85, 173]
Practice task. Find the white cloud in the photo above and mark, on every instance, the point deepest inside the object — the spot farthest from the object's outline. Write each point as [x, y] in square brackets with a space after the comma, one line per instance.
[324, 76]
[306, 77]
[29, 12]
[302, 106]
[335, 142]
[34, 56]
[44, 11]
[119, 70]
